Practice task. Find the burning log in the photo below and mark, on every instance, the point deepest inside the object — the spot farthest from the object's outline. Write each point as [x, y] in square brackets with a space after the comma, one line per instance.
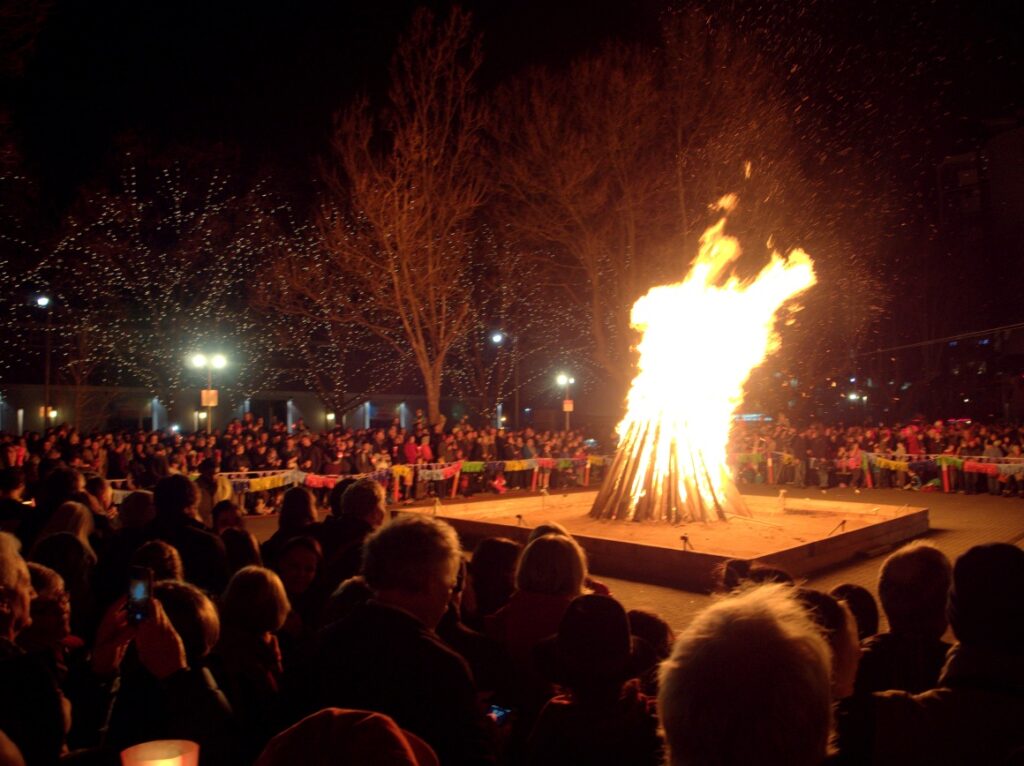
[700, 340]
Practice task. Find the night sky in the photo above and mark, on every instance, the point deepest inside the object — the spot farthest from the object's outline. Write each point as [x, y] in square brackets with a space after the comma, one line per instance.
[250, 89]
[260, 81]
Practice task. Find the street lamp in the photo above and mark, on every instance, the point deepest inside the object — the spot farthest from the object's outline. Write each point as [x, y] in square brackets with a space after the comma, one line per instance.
[566, 382]
[498, 337]
[43, 302]
[209, 396]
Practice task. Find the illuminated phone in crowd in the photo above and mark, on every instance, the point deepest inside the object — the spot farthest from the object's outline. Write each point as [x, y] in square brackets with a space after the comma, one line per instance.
[500, 715]
[140, 591]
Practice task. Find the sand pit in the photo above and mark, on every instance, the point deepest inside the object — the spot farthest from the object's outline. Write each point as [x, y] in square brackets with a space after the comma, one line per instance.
[799, 534]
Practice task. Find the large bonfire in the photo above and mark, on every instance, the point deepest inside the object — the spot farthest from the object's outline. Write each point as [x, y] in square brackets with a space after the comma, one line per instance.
[700, 340]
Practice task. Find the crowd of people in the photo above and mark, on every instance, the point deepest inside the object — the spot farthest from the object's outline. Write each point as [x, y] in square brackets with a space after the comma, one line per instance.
[362, 639]
[834, 455]
[139, 459]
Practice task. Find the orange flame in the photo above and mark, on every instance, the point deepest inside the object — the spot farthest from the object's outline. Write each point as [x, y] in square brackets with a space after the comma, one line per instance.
[701, 339]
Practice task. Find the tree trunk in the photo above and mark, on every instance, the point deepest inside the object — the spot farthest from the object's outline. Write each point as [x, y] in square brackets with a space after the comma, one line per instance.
[432, 386]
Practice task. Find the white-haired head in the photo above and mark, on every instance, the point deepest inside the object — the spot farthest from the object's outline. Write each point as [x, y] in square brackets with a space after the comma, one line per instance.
[748, 682]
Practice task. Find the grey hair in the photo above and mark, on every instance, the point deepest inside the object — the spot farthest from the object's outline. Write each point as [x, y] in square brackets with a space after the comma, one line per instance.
[748, 682]
[404, 554]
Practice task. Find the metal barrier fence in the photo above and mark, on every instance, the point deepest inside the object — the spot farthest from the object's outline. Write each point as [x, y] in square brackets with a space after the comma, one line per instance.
[395, 477]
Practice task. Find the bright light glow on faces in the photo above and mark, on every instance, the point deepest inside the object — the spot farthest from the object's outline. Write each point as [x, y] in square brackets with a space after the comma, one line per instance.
[219, 361]
[199, 360]
[700, 340]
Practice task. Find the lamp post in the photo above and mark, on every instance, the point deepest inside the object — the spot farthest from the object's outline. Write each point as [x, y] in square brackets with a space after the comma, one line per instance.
[498, 338]
[43, 302]
[215, 362]
[566, 382]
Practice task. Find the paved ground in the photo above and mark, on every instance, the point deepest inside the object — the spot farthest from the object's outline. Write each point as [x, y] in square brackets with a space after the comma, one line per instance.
[957, 523]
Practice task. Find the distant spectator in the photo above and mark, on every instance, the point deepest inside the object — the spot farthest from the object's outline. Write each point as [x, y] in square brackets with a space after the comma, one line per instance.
[913, 586]
[748, 683]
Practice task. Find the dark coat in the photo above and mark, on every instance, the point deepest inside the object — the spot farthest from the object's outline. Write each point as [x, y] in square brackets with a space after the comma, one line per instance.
[597, 733]
[186, 705]
[31, 711]
[383, 659]
[898, 661]
[975, 716]
[341, 538]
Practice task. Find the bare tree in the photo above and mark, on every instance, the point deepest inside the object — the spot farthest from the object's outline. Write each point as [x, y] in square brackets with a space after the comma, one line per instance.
[152, 268]
[516, 321]
[294, 297]
[583, 174]
[614, 161]
[407, 183]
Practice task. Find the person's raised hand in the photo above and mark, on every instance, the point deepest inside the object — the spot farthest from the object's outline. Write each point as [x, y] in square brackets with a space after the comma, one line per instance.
[161, 650]
[112, 639]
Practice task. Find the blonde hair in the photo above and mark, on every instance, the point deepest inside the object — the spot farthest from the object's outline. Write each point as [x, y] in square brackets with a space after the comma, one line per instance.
[72, 517]
[553, 564]
[748, 682]
[254, 601]
[13, 571]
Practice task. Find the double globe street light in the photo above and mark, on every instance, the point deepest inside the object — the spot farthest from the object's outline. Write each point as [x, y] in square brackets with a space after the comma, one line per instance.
[566, 381]
[209, 394]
